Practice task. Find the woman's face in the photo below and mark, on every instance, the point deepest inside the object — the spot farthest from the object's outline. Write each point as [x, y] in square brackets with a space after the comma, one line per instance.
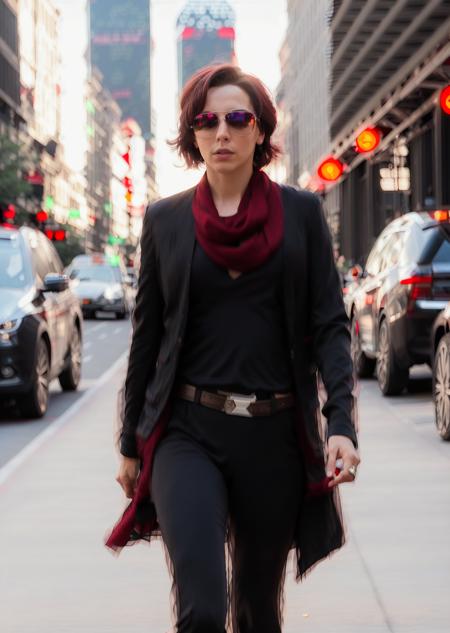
[224, 148]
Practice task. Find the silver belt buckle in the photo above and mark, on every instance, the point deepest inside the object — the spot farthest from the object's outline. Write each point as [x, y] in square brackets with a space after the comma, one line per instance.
[237, 404]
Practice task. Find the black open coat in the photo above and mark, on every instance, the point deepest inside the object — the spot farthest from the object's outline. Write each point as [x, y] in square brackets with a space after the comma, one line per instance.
[318, 335]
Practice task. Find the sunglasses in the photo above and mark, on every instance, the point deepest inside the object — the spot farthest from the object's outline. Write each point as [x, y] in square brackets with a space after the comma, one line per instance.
[236, 119]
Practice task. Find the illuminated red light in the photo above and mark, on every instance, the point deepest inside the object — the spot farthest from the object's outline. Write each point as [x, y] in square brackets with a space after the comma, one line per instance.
[60, 235]
[189, 32]
[444, 99]
[368, 140]
[417, 279]
[49, 233]
[41, 216]
[330, 169]
[226, 33]
[10, 212]
[440, 215]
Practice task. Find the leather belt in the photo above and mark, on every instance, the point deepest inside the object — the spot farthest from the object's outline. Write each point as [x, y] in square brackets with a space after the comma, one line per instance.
[236, 403]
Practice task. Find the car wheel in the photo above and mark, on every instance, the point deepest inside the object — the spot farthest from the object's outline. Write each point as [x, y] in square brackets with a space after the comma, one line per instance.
[34, 403]
[121, 315]
[391, 378]
[363, 365]
[441, 387]
[69, 378]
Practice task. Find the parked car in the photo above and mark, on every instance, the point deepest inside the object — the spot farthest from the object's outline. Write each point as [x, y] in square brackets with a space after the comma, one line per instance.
[102, 283]
[404, 285]
[440, 343]
[40, 321]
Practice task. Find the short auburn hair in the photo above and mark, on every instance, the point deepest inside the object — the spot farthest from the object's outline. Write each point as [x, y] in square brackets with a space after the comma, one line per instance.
[193, 100]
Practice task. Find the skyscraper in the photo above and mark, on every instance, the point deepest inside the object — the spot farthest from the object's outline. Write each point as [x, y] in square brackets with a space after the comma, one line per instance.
[121, 49]
[205, 32]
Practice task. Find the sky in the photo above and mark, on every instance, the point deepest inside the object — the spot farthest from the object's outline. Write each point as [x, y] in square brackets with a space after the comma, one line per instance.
[260, 29]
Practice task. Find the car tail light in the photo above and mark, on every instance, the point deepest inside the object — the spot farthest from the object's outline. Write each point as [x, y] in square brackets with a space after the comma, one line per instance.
[441, 215]
[420, 288]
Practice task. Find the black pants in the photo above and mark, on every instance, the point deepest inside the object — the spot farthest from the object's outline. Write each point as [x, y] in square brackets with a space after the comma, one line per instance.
[213, 470]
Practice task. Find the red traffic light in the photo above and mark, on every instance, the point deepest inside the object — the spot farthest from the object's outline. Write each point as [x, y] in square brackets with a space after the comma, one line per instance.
[56, 235]
[330, 169]
[368, 140]
[10, 212]
[444, 99]
[42, 216]
[60, 235]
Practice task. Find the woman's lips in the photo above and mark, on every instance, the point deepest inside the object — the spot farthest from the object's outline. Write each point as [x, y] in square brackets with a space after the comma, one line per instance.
[223, 153]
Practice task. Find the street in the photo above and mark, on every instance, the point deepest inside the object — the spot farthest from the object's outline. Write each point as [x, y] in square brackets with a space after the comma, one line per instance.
[58, 500]
[15, 432]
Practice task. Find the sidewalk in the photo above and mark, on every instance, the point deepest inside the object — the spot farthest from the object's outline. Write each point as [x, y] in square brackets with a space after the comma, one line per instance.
[56, 576]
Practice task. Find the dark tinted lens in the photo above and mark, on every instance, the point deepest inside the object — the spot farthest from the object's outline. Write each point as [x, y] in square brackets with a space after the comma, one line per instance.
[240, 118]
[205, 121]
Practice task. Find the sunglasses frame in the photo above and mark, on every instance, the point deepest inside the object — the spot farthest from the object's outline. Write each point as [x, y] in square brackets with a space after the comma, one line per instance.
[254, 118]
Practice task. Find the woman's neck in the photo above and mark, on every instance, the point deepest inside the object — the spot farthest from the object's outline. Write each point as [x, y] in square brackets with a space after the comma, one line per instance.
[227, 190]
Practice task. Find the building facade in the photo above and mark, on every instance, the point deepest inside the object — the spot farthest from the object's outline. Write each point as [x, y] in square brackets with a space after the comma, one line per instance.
[9, 67]
[205, 34]
[40, 74]
[389, 63]
[121, 47]
[303, 92]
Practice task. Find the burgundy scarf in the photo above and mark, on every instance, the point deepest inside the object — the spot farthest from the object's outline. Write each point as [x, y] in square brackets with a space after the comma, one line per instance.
[243, 241]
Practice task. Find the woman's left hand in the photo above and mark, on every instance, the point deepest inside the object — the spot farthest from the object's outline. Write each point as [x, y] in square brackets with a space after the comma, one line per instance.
[341, 447]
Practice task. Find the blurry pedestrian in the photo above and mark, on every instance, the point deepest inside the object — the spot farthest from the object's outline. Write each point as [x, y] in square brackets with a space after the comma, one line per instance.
[238, 305]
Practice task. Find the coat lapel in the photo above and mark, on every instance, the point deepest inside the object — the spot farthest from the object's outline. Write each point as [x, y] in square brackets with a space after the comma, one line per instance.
[288, 245]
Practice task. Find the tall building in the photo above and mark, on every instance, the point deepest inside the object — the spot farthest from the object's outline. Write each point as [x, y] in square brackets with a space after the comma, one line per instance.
[9, 66]
[121, 49]
[205, 34]
[303, 95]
[40, 73]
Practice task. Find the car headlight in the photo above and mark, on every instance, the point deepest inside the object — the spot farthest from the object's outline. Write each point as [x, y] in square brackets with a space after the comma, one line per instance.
[9, 326]
[113, 293]
[7, 329]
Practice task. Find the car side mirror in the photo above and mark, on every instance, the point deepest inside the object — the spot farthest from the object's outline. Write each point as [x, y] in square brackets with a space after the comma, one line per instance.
[55, 282]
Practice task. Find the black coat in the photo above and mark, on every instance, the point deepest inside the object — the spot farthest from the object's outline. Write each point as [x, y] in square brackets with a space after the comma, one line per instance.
[318, 335]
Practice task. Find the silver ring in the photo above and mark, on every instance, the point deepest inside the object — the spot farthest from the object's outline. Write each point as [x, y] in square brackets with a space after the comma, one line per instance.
[352, 470]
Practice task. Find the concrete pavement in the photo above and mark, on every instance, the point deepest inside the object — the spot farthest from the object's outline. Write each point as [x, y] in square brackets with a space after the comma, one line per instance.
[392, 576]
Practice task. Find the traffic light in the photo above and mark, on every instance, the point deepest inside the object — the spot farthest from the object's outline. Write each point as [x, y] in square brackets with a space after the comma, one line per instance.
[7, 214]
[56, 234]
[42, 216]
[330, 169]
[368, 140]
[444, 99]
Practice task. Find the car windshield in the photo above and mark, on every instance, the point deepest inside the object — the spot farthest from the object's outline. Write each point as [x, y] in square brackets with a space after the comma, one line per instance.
[13, 273]
[95, 272]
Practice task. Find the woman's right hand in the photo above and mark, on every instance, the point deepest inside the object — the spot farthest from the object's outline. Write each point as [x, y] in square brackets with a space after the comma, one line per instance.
[128, 474]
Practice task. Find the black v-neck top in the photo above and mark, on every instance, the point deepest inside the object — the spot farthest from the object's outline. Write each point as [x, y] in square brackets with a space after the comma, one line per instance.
[235, 337]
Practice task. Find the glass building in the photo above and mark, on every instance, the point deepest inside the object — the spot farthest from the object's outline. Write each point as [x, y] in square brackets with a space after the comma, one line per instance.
[205, 34]
[121, 49]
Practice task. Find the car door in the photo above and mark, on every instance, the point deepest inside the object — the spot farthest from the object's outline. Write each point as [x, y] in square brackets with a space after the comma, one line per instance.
[63, 302]
[45, 302]
[385, 298]
[367, 293]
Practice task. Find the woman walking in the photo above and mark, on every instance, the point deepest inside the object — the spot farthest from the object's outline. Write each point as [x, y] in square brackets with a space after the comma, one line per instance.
[238, 306]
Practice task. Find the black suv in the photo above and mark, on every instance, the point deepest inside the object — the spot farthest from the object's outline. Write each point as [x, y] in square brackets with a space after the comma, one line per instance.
[40, 321]
[404, 285]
